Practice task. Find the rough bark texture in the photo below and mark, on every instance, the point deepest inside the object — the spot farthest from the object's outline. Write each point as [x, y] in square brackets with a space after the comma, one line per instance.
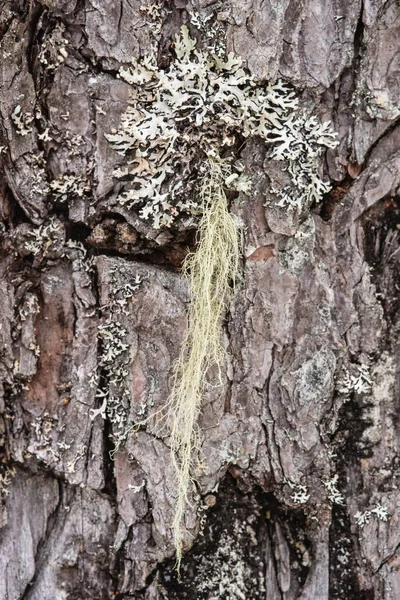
[319, 296]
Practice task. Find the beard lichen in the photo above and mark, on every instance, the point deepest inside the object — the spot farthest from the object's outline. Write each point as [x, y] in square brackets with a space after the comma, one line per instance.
[180, 124]
[209, 271]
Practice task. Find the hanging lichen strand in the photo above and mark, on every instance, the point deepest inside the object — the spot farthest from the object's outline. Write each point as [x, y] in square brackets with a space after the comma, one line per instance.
[180, 123]
[209, 271]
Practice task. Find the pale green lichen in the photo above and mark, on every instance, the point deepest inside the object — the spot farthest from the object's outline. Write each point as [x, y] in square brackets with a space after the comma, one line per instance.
[68, 186]
[209, 270]
[200, 105]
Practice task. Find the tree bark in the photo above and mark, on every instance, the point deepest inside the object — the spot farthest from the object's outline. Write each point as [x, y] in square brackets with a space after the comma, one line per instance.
[298, 497]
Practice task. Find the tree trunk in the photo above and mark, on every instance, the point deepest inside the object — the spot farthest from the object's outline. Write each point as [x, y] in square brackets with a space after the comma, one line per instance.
[298, 494]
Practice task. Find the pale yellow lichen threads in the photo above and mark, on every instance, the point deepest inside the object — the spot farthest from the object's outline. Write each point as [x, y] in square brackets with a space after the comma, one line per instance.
[211, 270]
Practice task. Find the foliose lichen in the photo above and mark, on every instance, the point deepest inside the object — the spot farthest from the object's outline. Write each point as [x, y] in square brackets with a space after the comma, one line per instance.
[111, 382]
[200, 106]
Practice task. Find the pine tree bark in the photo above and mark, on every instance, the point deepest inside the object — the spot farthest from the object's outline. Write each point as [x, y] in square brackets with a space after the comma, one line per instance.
[298, 497]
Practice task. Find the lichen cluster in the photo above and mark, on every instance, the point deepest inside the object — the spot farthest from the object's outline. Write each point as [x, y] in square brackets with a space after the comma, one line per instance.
[111, 380]
[202, 105]
[6, 476]
[180, 132]
[379, 511]
[44, 238]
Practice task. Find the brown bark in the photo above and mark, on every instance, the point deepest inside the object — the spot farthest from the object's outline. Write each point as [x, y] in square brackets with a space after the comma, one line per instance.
[319, 297]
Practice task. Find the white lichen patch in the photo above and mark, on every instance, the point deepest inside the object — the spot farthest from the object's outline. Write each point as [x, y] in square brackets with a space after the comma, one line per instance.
[300, 142]
[114, 392]
[379, 511]
[75, 144]
[358, 381]
[6, 476]
[44, 238]
[300, 494]
[228, 571]
[38, 182]
[53, 50]
[380, 426]
[314, 379]
[45, 135]
[69, 186]
[30, 307]
[198, 107]
[22, 120]
[44, 432]
[76, 252]
[42, 428]
[121, 294]
[71, 464]
[154, 12]
[112, 379]
[334, 495]
[211, 29]
[229, 453]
